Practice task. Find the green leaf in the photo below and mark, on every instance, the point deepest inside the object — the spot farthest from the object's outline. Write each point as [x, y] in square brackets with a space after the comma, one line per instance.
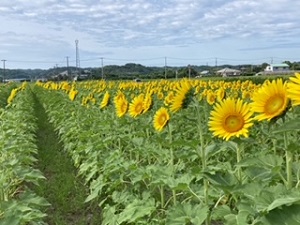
[225, 180]
[283, 201]
[137, 209]
[285, 215]
[291, 125]
[263, 160]
[109, 216]
[187, 213]
[237, 219]
[221, 211]
[11, 220]
[181, 183]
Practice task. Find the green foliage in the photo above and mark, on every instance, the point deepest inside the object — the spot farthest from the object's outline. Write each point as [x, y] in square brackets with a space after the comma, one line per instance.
[5, 90]
[182, 175]
[187, 213]
[18, 203]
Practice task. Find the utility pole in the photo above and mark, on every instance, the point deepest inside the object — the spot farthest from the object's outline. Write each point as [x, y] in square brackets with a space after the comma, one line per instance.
[189, 67]
[77, 57]
[3, 60]
[68, 73]
[165, 67]
[102, 73]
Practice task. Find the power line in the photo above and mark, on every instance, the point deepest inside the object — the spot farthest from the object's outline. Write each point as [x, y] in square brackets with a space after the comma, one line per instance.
[160, 61]
[35, 61]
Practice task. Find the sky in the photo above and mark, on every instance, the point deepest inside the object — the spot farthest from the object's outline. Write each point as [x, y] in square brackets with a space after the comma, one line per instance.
[42, 34]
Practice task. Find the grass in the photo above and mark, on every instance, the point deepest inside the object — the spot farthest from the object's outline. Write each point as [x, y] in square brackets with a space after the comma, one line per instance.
[62, 188]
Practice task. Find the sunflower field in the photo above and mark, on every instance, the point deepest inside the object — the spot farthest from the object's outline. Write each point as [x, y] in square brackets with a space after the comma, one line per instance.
[171, 152]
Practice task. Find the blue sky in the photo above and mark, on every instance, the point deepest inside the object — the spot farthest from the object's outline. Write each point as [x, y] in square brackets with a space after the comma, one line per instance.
[41, 34]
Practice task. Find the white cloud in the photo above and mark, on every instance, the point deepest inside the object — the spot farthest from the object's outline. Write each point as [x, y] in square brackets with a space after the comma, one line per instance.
[50, 27]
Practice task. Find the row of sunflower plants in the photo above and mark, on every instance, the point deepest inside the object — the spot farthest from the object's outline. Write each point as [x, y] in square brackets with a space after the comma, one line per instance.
[18, 204]
[5, 92]
[185, 151]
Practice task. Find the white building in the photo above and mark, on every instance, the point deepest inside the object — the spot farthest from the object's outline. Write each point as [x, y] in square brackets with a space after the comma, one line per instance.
[281, 67]
[227, 72]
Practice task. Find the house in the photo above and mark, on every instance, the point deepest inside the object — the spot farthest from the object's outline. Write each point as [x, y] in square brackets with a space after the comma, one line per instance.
[17, 80]
[227, 72]
[204, 73]
[282, 67]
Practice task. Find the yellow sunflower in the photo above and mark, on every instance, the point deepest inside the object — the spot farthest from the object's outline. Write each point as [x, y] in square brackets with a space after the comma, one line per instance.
[270, 100]
[72, 94]
[179, 100]
[120, 95]
[161, 119]
[220, 94]
[211, 97]
[121, 106]
[136, 106]
[169, 98]
[246, 94]
[66, 86]
[230, 118]
[12, 95]
[147, 103]
[160, 95]
[293, 89]
[105, 100]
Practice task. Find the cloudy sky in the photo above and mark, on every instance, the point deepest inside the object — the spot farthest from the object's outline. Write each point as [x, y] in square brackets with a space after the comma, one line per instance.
[42, 33]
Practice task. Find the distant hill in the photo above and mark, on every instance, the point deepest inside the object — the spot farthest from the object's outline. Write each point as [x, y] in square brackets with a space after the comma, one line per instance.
[127, 71]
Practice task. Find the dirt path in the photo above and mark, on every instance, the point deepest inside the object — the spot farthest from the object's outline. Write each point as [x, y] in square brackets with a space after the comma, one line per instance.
[62, 189]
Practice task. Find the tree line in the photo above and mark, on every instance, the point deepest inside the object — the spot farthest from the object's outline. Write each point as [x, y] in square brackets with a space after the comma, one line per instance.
[132, 71]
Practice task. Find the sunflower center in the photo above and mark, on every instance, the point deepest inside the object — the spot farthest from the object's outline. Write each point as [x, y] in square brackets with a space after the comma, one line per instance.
[139, 108]
[162, 120]
[274, 104]
[233, 123]
[124, 106]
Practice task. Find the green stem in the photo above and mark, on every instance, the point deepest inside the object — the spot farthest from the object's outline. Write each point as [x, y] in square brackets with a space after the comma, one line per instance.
[1, 195]
[172, 162]
[162, 196]
[194, 194]
[289, 163]
[174, 197]
[238, 159]
[203, 161]
[283, 178]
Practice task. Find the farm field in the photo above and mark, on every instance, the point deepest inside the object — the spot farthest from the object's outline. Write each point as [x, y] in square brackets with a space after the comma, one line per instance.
[156, 152]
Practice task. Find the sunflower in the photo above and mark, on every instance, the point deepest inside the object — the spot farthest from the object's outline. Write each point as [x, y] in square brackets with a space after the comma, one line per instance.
[181, 97]
[66, 86]
[147, 103]
[121, 106]
[136, 106]
[293, 89]
[270, 100]
[160, 95]
[169, 98]
[211, 97]
[12, 95]
[105, 100]
[220, 94]
[72, 94]
[120, 95]
[246, 94]
[230, 118]
[161, 119]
